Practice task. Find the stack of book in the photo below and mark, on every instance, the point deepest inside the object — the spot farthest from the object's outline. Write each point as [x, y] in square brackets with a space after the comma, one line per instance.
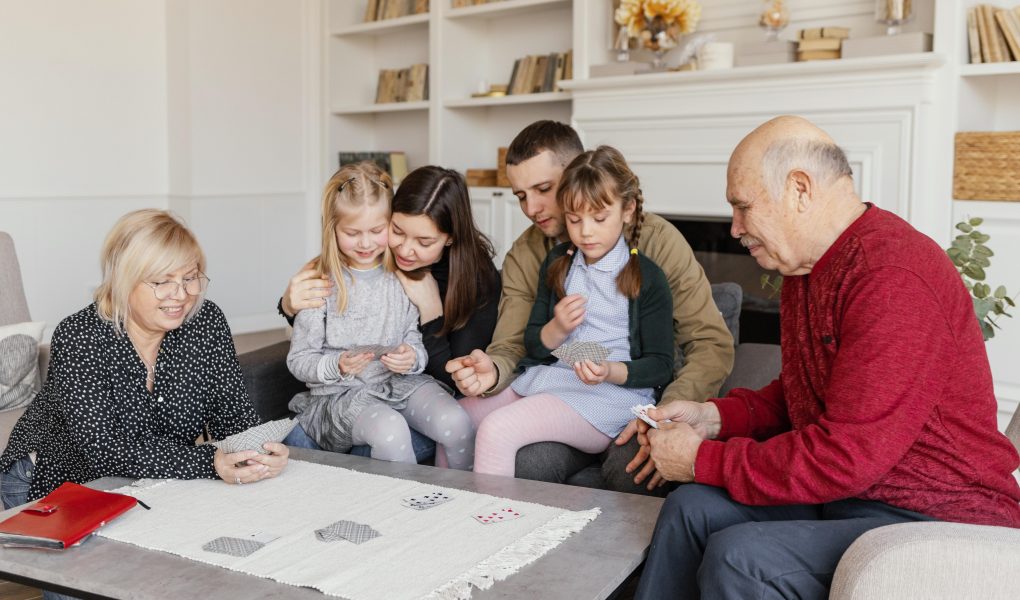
[403, 85]
[821, 43]
[993, 33]
[534, 74]
[378, 10]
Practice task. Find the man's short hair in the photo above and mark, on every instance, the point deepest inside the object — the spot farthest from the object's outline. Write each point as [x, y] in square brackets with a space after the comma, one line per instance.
[824, 161]
[558, 138]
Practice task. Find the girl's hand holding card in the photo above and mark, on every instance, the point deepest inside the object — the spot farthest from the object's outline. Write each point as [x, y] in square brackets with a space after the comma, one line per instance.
[400, 360]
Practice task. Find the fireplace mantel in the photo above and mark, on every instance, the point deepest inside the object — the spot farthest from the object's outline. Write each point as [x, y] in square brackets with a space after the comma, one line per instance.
[677, 129]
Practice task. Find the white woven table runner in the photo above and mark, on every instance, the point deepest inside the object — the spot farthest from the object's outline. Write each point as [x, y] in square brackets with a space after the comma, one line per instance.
[438, 553]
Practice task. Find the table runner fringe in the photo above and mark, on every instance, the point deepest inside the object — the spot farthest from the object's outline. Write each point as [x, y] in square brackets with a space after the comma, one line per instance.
[512, 558]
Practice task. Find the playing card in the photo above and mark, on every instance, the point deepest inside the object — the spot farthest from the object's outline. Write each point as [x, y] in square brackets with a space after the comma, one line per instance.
[239, 547]
[376, 349]
[641, 411]
[575, 352]
[253, 438]
[425, 501]
[356, 533]
[497, 516]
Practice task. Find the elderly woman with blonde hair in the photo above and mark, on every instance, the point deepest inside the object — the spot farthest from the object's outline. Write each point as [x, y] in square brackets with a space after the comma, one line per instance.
[138, 376]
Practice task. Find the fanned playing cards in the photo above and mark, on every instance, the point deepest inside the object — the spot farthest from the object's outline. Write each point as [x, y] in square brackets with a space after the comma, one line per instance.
[376, 349]
[575, 352]
[252, 439]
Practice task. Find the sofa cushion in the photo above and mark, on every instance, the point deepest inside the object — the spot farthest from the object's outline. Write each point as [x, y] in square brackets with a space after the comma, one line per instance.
[19, 363]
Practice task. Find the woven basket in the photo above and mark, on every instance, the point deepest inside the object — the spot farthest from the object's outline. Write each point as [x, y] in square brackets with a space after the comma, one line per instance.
[987, 166]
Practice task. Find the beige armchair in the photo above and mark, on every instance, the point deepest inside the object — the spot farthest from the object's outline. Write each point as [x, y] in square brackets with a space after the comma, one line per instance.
[933, 560]
[14, 309]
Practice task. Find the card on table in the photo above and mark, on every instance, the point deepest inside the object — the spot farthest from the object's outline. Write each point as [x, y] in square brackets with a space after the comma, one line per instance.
[501, 515]
[425, 501]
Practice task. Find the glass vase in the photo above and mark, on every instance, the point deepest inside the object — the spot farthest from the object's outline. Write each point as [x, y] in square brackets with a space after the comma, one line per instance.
[774, 18]
[893, 14]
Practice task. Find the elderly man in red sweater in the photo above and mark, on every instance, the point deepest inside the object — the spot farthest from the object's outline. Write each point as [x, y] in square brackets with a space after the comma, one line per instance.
[883, 413]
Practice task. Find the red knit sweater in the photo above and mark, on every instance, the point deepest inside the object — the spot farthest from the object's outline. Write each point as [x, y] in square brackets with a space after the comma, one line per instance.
[885, 392]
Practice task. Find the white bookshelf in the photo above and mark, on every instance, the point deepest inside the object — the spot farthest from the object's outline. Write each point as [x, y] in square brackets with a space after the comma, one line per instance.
[466, 48]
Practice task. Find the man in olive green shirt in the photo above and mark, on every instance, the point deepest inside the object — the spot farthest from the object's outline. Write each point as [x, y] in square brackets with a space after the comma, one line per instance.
[536, 160]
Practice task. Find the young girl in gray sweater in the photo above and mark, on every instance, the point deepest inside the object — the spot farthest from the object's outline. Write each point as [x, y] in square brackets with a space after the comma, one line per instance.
[359, 395]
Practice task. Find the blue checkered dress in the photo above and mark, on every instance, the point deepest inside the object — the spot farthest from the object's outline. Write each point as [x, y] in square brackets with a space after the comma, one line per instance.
[606, 405]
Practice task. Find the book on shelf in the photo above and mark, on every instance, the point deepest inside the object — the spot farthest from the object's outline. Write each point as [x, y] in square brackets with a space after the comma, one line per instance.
[973, 39]
[371, 11]
[501, 178]
[403, 85]
[64, 517]
[1009, 22]
[809, 55]
[815, 33]
[421, 7]
[540, 73]
[394, 163]
[993, 34]
[820, 44]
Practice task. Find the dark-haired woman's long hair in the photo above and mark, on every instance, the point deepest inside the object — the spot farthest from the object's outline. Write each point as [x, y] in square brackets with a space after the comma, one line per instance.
[442, 195]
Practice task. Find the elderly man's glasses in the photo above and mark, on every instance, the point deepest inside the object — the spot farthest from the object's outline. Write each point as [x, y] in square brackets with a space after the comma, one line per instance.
[193, 286]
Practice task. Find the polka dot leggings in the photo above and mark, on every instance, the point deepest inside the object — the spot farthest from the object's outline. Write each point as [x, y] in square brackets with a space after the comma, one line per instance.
[429, 410]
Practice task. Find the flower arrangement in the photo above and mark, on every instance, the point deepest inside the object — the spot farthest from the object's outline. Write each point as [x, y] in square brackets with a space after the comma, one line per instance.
[658, 24]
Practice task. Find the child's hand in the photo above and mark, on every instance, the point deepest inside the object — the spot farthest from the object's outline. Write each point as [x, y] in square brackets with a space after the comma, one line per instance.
[590, 372]
[569, 313]
[400, 360]
[352, 364]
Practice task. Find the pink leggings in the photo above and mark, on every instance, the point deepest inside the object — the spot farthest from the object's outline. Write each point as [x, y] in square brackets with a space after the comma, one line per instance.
[507, 422]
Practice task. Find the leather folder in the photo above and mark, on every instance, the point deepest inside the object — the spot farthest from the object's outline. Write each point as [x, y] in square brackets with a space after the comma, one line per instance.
[64, 517]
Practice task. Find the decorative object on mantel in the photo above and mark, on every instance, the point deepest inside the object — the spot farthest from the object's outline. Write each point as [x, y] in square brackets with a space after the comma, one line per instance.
[658, 24]
[715, 55]
[903, 43]
[893, 14]
[821, 43]
[987, 166]
[774, 18]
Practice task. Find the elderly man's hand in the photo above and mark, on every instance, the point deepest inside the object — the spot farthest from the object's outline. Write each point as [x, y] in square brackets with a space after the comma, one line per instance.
[674, 448]
[703, 417]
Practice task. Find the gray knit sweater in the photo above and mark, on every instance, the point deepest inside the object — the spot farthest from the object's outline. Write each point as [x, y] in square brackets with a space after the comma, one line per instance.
[378, 312]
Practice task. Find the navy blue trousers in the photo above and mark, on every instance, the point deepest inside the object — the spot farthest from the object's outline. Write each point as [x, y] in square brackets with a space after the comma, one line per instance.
[707, 545]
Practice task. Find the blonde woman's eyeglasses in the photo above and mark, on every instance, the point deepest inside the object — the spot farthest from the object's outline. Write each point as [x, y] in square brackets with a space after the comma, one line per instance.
[193, 286]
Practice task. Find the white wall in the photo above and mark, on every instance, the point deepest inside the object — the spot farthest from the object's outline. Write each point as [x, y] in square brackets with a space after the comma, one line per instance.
[199, 106]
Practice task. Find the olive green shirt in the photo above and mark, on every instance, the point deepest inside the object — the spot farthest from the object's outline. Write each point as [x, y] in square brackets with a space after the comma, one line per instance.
[698, 328]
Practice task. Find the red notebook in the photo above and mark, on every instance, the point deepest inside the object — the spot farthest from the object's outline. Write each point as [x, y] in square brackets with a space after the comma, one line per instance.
[64, 517]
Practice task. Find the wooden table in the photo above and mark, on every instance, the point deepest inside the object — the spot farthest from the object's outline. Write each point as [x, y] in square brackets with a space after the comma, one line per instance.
[590, 564]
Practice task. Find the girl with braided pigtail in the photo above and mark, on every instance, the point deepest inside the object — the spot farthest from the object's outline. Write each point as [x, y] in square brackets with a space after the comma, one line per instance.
[597, 291]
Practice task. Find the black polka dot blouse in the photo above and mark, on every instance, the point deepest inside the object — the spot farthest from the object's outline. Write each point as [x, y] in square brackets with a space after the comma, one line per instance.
[95, 418]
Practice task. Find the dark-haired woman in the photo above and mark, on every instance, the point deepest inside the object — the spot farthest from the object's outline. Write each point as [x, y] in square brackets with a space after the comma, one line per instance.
[445, 264]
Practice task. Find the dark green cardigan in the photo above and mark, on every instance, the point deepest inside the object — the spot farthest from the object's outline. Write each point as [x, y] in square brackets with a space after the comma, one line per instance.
[651, 326]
